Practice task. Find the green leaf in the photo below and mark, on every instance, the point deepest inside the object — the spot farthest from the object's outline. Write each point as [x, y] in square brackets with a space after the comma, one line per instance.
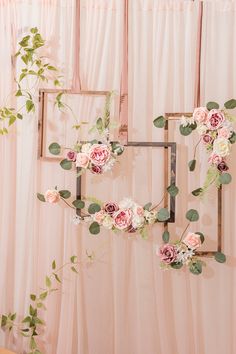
[144, 234]
[197, 192]
[94, 228]
[65, 194]
[54, 264]
[94, 208]
[3, 321]
[74, 270]
[57, 277]
[225, 178]
[32, 311]
[66, 164]
[99, 125]
[43, 295]
[12, 120]
[19, 116]
[147, 206]
[13, 317]
[185, 130]
[26, 319]
[173, 190]
[41, 197]
[54, 148]
[33, 344]
[48, 282]
[212, 105]
[166, 236]
[29, 106]
[192, 165]
[232, 139]
[33, 297]
[159, 122]
[192, 215]
[50, 67]
[202, 238]
[78, 204]
[220, 257]
[176, 265]
[73, 259]
[195, 267]
[163, 214]
[34, 30]
[18, 93]
[231, 104]
[22, 76]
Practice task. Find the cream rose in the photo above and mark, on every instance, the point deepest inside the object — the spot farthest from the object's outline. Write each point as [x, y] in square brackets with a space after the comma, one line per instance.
[224, 132]
[221, 147]
[108, 222]
[52, 196]
[200, 114]
[192, 240]
[138, 221]
[99, 216]
[82, 160]
[86, 148]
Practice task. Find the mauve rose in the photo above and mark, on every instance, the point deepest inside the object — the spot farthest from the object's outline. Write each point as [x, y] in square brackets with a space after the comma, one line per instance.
[215, 119]
[224, 132]
[168, 253]
[71, 155]
[207, 139]
[99, 154]
[52, 196]
[97, 170]
[200, 114]
[82, 160]
[222, 167]
[122, 219]
[215, 159]
[192, 240]
[110, 208]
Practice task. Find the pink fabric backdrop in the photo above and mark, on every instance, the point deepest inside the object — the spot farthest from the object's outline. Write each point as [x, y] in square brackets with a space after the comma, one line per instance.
[122, 303]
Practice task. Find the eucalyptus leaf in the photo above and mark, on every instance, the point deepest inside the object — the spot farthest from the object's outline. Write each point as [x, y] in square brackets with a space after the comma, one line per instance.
[220, 257]
[78, 204]
[212, 105]
[94, 228]
[163, 214]
[147, 206]
[202, 237]
[232, 139]
[166, 236]
[159, 122]
[195, 267]
[197, 192]
[94, 208]
[231, 104]
[192, 215]
[176, 265]
[41, 197]
[65, 194]
[66, 164]
[173, 190]
[55, 148]
[192, 165]
[185, 130]
[225, 178]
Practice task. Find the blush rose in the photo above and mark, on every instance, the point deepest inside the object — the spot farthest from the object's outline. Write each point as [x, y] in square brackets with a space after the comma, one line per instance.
[52, 196]
[200, 114]
[82, 160]
[122, 219]
[192, 240]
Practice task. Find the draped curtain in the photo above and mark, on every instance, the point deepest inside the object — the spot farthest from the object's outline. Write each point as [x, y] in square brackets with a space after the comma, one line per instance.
[122, 303]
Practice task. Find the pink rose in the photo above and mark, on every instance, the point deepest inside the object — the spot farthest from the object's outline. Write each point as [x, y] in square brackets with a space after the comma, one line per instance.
[97, 170]
[207, 139]
[122, 219]
[215, 159]
[139, 210]
[200, 114]
[52, 196]
[192, 240]
[110, 208]
[71, 155]
[82, 160]
[224, 132]
[215, 119]
[99, 216]
[168, 253]
[99, 154]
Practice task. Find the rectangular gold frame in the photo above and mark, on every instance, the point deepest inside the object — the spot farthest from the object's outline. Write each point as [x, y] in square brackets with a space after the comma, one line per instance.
[176, 117]
[41, 121]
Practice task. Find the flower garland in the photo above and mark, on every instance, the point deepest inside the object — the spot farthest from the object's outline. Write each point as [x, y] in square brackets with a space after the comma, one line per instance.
[127, 215]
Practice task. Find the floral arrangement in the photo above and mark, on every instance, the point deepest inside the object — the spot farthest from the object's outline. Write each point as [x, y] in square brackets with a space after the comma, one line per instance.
[217, 133]
[126, 216]
[183, 252]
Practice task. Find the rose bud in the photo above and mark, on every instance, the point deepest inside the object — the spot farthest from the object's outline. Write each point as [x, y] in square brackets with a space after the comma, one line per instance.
[71, 155]
[222, 167]
[97, 170]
